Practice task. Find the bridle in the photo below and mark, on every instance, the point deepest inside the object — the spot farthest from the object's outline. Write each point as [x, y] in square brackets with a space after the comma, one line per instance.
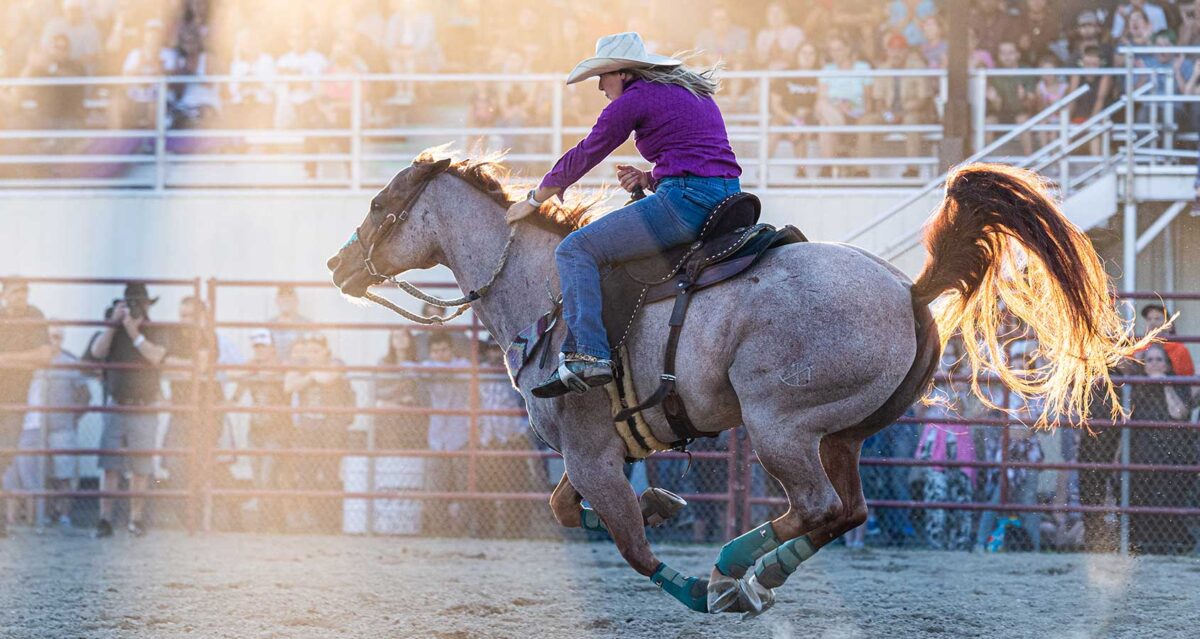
[390, 223]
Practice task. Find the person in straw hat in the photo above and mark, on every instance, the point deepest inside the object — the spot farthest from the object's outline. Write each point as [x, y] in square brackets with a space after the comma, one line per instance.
[678, 128]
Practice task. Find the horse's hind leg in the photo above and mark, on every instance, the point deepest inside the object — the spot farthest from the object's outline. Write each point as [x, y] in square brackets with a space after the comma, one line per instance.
[839, 457]
[793, 457]
[840, 454]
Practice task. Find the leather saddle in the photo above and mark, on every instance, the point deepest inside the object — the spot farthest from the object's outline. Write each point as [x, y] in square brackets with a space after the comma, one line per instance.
[730, 243]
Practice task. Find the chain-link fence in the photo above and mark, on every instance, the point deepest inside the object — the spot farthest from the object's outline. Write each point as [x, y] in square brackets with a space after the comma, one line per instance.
[265, 426]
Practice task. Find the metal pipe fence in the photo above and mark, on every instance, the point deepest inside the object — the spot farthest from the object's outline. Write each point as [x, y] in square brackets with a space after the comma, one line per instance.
[360, 133]
[368, 463]
[357, 148]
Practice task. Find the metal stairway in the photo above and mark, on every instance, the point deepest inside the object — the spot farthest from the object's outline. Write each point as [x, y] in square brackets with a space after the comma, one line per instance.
[1089, 187]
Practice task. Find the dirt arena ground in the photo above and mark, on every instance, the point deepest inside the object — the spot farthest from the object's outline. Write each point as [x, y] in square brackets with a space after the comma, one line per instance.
[246, 586]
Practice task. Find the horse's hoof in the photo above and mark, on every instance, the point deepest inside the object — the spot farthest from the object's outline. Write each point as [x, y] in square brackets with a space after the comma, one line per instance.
[766, 598]
[750, 601]
[723, 593]
[660, 505]
[734, 595]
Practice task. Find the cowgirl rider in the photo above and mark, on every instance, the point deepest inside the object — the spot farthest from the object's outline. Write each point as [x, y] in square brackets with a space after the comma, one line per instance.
[678, 128]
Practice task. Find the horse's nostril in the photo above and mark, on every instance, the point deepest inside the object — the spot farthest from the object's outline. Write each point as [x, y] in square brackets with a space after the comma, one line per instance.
[333, 263]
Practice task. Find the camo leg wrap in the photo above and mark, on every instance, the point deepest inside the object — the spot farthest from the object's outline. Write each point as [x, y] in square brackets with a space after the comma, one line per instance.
[689, 591]
[777, 565]
[738, 555]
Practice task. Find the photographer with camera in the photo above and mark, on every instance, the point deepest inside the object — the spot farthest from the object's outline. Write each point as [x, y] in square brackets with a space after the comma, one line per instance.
[127, 341]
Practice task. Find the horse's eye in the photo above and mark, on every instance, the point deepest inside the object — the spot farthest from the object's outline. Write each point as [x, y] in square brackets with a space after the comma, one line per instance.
[375, 206]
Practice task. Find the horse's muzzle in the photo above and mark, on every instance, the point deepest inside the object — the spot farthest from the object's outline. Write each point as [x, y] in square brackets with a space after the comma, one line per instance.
[349, 280]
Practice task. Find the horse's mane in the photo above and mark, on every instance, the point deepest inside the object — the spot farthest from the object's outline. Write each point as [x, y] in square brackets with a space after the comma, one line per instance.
[488, 175]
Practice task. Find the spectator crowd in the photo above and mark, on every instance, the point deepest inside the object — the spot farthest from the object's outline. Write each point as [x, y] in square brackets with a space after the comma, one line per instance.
[198, 38]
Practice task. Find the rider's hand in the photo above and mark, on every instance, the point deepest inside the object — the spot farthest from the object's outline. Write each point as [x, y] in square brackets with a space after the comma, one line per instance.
[518, 210]
[631, 177]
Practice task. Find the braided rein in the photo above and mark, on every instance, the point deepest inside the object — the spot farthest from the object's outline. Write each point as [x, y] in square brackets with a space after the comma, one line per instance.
[463, 303]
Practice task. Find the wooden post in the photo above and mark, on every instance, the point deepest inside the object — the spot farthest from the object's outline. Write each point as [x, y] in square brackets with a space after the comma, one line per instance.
[956, 121]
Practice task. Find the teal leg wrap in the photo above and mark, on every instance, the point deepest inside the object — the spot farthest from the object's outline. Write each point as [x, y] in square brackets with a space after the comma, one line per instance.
[589, 520]
[690, 591]
[779, 564]
[739, 555]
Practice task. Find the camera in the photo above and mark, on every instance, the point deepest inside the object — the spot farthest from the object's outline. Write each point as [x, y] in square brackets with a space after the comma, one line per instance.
[137, 308]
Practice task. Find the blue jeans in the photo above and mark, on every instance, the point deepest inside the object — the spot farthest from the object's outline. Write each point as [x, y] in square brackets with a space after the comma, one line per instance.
[671, 216]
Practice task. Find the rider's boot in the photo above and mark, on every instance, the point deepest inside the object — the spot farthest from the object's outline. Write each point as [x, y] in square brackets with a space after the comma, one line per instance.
[576, 372]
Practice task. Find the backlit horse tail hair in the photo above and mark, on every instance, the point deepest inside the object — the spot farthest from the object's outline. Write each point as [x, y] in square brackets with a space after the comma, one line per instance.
[1000, 245]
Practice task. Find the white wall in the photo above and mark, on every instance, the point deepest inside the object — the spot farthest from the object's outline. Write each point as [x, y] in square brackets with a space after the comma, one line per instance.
[107, 235]
[288, 236]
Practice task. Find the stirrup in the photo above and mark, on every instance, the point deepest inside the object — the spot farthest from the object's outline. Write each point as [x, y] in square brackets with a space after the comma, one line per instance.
[568, 377]
[564, 380]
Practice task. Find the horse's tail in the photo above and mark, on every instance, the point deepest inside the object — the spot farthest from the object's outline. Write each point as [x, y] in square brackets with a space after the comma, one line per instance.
[999, 244]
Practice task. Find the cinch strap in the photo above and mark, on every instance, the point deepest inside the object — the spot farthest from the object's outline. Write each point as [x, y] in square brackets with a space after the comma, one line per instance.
[666, 384]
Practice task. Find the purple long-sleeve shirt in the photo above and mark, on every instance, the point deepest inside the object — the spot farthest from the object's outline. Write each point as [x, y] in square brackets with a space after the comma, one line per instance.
[673, 129]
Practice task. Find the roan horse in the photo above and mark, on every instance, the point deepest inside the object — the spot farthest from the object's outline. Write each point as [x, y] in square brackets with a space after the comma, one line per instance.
[800, 350]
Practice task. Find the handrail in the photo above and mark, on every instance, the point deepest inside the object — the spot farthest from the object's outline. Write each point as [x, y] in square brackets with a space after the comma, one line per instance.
[906, 243]
[1056, 152]
[438, 77]
[748, 74]
[937, 182]
[142, 80]
[1111, 109]
[1067, 71]
[1135, 49]
[1088, 126]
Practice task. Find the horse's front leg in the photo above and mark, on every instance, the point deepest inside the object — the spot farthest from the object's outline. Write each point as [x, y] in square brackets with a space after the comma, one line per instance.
[599, 477]
[565, 504]
[657, 506]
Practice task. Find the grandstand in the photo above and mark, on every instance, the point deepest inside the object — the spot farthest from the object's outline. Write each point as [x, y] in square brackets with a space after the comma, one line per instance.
[231, 112]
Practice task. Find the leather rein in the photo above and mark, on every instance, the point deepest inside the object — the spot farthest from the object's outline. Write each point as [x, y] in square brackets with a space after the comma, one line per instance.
[390, 223]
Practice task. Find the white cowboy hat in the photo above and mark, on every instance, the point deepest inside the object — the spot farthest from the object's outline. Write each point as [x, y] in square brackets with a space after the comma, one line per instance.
[618, 51]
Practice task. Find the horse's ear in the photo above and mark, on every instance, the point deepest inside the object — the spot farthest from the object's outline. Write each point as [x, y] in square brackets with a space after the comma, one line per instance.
[425, 170]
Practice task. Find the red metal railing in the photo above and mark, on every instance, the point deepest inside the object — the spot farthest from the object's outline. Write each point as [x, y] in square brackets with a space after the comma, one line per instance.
[736, 496]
